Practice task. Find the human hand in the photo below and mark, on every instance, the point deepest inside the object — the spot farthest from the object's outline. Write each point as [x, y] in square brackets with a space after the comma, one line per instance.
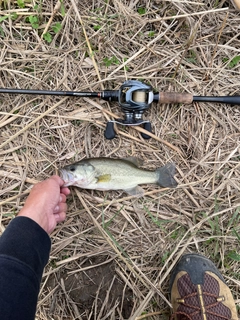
[46, 203]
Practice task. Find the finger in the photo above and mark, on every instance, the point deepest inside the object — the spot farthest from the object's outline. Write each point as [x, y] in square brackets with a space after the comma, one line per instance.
[61, 207]
[62, 198]
[65, 191]
[58, 180]
[56, 209]
[61, 216]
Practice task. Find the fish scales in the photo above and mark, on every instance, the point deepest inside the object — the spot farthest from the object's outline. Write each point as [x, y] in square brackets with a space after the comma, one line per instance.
[116, 174]
[124, 174]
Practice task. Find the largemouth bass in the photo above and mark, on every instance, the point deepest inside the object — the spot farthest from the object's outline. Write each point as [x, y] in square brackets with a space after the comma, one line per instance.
[116, 174]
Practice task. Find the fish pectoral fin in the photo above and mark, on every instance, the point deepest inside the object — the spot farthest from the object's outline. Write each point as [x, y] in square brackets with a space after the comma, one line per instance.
[136, 161]
[136, 191]
[104, 178]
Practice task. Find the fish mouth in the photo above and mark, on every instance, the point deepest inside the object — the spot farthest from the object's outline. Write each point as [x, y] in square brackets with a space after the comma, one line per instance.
[63, 174]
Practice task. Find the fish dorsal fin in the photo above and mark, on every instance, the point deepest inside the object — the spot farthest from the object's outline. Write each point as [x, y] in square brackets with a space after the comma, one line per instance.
[104, 178]
[134, 160]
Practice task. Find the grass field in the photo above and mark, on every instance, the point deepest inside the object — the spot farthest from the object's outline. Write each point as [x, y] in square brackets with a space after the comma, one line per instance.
[112, 257]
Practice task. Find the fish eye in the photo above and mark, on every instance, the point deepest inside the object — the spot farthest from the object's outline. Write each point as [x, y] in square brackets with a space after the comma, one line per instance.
[72, 169]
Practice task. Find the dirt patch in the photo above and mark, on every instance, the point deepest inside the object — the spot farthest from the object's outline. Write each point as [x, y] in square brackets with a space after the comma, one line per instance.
[96, 289]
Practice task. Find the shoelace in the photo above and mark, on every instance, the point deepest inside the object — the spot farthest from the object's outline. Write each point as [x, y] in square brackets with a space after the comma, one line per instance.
[198, 309]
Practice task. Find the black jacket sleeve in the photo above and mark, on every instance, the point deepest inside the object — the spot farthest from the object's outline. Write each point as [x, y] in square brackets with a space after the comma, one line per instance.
[24, 252]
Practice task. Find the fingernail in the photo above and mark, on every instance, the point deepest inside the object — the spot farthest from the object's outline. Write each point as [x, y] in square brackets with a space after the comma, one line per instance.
[56, 209]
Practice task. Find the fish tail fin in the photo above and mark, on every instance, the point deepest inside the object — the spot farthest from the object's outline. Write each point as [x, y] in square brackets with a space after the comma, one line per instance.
[166, 176]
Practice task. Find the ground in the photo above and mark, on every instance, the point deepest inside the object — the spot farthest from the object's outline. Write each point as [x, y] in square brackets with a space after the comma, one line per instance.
[96, 290]
[112, 257]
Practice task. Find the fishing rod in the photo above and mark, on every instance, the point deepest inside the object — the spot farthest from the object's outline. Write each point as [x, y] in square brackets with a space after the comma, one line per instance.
[134, 97]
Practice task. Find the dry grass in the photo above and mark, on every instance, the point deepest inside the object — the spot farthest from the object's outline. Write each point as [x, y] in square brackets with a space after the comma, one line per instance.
[182, 46]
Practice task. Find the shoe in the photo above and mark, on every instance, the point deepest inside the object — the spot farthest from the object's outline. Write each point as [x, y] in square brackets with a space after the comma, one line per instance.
[236, 4]
[199, 292]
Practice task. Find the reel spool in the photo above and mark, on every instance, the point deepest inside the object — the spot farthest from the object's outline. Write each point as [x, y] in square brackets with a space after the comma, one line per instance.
[134, 98]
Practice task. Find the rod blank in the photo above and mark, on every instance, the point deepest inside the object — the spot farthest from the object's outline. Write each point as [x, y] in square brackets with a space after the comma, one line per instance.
[49, 92]
[220, 99]
[112, 95]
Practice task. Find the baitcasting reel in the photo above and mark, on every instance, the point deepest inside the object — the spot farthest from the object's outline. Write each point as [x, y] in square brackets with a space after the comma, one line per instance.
[134, 97]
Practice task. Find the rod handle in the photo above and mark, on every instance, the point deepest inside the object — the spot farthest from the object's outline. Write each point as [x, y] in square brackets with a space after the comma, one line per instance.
[174, 97]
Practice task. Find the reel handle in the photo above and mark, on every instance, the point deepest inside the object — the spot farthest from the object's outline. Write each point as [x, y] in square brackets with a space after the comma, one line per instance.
[109, 132]
[147, 126]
